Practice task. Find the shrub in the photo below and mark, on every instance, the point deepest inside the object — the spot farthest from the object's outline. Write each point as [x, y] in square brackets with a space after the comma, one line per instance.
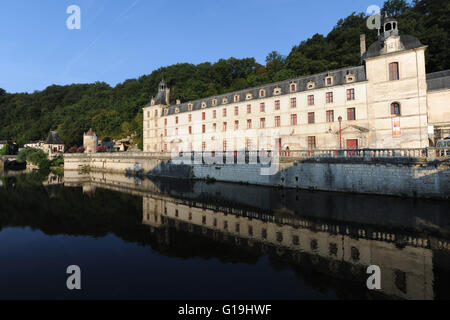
[101, 149]
[80, 150]
[58, 162]
[44, 164]
[72, 150]
[5, 150]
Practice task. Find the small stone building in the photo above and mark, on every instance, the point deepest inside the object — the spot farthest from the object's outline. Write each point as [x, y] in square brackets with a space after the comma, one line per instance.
[54, 146]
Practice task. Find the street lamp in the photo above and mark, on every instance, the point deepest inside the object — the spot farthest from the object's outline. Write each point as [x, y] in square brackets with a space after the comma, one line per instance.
[340, 131]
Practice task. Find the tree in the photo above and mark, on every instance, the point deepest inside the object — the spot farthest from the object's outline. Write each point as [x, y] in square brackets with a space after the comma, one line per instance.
[394, 8]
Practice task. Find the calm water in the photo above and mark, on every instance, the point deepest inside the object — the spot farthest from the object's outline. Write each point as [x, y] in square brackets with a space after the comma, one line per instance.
[166, 239]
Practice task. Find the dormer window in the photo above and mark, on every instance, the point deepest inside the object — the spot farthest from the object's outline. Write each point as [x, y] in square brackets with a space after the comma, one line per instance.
[166, 112]
[262, 93]
[190, 107]
[310, 85]
[329, 81]
[350, 78]
[236, 98]
[203, 105]
[277, 91]
[249, 96]
[224, 101]
[214, 102]
[177, 110]
[293, 87]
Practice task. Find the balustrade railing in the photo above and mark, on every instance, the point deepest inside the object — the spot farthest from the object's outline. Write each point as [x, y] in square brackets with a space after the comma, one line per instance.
[267, 156]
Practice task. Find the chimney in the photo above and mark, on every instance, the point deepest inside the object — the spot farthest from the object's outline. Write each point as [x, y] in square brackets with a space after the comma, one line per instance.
[363, 44]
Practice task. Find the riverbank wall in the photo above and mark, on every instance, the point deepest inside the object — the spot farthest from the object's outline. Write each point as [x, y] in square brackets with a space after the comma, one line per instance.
[418, 178]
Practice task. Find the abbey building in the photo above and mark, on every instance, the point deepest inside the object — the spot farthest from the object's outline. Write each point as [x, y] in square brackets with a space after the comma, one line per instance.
[387, 102]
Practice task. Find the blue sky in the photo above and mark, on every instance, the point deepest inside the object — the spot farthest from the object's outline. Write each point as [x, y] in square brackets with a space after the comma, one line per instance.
[122, 39]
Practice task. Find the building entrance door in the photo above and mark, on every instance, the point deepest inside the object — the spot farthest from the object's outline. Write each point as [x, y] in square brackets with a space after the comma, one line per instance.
[352, 144]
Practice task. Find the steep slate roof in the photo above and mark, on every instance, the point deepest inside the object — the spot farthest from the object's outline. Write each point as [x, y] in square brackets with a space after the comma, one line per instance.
[408, 42]
[438, 80]
[319, 80]
[53, 138]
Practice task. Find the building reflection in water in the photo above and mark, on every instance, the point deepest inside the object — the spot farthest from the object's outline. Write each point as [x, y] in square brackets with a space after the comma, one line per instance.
[336, 235]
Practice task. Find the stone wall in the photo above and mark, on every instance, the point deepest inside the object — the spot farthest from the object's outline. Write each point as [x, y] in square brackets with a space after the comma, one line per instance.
[422, 180]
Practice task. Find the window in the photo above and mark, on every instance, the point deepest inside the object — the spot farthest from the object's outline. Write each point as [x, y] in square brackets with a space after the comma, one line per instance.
[330, 116]
[203, 105]
[236, 98]
[262, 107]
[249, 96]
[393, 71]
[224, 113]
[224, 100]
[329, 97]
[293, 87]
[203, 116]
[249, 109]
[293, 119]
[177, 110]
[214, 114]
[262, 93]
[224, 127]
[214, 102]
[236, 111]
[293, 102]
[190, 130]
[203, 146]
[311, 118]
[277, 122]
[165, 122]
[190, 107]
[165, 147]
[276, 91]
[249, 124]
[310, 100]
[236, 125]
[165, 132]
[350, 94]
[328, 81]
[224, 145]
[262, 123]
[311, 143]
[176, 120]
[277, 105]
[311, 85]
[203, 128]
[395, 109]
[351, 114]
[190, 118]
[214, 127]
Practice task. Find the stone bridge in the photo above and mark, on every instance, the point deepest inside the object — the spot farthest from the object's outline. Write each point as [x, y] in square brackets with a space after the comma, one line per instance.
[4, 160]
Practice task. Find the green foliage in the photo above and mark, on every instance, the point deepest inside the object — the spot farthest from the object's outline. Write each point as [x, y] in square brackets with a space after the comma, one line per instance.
[117, 112]
[5, 150]
[58, 162]
[34, 156]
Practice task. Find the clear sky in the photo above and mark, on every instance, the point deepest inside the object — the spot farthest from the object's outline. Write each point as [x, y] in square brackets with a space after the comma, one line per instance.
[122, 39]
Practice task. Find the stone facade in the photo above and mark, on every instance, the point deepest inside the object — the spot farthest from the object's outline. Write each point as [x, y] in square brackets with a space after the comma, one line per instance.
[385, 103]
[390, 177]
[90, 142]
